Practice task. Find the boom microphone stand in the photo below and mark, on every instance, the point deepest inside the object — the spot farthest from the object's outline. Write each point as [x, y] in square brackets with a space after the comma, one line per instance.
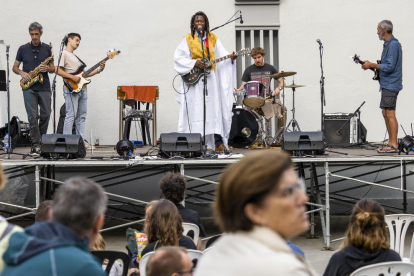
[205, 92]
[9, 150]
[54, 83]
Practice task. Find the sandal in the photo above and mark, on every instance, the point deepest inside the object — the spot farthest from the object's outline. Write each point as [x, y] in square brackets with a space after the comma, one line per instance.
[388, 149]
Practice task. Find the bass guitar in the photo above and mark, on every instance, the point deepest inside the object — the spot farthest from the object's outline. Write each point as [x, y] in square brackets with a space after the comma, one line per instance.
[196, 73]
[77, 87]
[358, 61]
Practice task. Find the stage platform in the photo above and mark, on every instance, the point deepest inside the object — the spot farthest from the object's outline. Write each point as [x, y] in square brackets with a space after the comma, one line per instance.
[335, 181]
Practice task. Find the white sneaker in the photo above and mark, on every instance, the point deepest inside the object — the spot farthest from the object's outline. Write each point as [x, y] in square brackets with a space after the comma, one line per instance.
[87, 145]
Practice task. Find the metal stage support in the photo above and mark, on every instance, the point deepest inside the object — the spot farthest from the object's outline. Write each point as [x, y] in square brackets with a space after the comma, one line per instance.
[323, 177]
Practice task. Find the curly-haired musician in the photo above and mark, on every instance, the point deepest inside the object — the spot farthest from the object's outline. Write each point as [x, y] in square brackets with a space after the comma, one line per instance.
[38, 95]
[219, 84]
[76, 103]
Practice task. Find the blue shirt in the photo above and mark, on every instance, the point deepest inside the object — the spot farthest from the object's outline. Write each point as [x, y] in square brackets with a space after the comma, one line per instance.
[31, 57]
[390, 71]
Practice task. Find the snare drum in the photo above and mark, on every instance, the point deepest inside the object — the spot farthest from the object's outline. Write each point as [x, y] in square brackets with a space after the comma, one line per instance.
[255, 94]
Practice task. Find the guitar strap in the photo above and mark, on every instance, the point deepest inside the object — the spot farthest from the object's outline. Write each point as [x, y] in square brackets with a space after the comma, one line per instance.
[83, 63]
[208, 48]
[383, 51]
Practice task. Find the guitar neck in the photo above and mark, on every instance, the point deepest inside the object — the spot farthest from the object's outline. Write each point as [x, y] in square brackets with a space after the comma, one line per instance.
[210, 63]
[87, 72]
[361, 62]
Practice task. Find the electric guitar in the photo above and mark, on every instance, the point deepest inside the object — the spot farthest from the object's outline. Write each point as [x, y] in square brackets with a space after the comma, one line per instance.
[376, 76]
[196, 73]
[77, 87]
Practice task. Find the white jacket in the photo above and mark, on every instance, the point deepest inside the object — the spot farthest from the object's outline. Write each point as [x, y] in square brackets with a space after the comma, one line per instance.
[260, 252]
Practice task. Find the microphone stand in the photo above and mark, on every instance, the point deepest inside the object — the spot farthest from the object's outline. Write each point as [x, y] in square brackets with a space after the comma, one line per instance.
[205, 93]
[350, 117]
[322, 83]
[225, 24]
[9, 150]
[54, 87]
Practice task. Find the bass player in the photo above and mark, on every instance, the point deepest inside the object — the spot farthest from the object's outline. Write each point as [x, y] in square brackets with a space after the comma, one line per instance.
[219, 99]
[76, 103]
[38, 95]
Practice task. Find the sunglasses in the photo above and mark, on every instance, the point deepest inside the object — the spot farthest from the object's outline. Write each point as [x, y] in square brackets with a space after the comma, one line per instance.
[184, 272]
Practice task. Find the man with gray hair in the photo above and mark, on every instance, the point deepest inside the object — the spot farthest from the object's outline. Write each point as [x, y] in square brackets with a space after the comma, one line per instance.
[61, 246]
[169, 261]
[390, 73]
[38, 95]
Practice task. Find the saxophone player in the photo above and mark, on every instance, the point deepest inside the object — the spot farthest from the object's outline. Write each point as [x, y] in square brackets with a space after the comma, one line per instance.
[39, 94]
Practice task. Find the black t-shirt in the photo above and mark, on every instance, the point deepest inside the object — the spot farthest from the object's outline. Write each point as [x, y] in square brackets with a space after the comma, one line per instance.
[31, 57]
[191, 216]
[256, 73]
[184, 241]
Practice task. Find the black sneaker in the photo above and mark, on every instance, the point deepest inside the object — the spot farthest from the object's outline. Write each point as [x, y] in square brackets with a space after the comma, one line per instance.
[36, 150]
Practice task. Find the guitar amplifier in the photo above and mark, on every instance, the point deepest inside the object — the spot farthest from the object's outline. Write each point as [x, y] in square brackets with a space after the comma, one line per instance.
[353, 132]
[181, 144]
[299, 143]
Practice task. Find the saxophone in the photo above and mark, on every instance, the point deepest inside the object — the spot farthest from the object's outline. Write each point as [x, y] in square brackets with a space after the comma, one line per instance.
[35, 74]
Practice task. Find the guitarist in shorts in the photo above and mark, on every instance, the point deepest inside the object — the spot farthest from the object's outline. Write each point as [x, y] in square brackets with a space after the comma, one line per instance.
[76, 103]
[390, 73]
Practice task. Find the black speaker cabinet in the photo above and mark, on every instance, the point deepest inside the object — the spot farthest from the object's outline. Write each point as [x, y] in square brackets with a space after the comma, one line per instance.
[300, 143]
[182, 144]
[353, 132]
[65, 145]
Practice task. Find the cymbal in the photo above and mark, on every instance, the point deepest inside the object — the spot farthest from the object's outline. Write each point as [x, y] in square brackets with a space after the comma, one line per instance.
[294, 86]
[282, 74]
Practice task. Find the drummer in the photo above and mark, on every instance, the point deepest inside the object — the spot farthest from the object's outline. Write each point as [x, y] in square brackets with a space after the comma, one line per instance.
[260, 71]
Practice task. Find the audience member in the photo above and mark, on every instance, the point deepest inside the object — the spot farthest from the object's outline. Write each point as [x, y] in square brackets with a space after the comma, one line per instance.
[135, 255]
[116, 269]
[61, 246]
[6, 229]
[260, 204]
[365, 241]
[44, 211]
[169, 261]
[164, 228]
[173, 186]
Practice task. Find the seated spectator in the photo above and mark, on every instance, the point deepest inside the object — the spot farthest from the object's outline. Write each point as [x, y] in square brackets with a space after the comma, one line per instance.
[260, 204]
[116, 269]
[135, 255]
[6, 229]
[173, 186]
[169, 261]
[365, 241]
[61, 246]
[44, 211]
[164, 228]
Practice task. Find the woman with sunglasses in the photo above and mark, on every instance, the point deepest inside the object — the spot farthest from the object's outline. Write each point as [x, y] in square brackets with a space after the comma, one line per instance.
[260, 204]
[365, 241]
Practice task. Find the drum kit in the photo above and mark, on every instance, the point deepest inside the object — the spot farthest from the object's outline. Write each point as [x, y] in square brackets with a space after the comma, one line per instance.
[249, 114]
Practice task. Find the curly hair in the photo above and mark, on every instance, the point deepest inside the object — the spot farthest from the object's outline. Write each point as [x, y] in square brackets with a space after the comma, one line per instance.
[173, 186]
[192, 25]
[367, 227]
[164, 223]
[257, 51]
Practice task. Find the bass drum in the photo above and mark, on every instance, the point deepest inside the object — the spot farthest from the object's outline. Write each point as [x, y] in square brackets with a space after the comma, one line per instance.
[245, 128]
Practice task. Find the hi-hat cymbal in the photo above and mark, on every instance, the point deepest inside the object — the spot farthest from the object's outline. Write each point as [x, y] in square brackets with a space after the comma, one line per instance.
[282, 74]
[294, 86]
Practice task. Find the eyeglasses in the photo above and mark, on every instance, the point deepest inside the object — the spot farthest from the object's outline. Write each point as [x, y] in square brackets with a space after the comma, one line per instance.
[290, 191]
[184, 272]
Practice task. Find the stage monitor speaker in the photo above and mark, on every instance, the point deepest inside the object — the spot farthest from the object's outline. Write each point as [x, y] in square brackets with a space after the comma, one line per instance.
[303, 143]
[181, 144]
[62, 145]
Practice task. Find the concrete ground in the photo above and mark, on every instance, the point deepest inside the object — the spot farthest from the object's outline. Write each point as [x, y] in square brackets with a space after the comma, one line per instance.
[314, 250]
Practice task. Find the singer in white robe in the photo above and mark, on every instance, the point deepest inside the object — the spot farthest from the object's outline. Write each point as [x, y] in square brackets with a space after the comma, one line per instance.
[219, 101]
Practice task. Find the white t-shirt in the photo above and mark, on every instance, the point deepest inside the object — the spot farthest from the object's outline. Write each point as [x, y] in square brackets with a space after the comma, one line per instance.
[70, 63]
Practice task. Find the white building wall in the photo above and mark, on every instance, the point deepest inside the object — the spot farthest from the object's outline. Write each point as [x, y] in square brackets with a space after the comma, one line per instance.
[345, 28]
[146, 32]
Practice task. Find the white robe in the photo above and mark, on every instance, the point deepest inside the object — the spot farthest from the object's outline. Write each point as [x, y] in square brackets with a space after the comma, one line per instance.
[219, 101]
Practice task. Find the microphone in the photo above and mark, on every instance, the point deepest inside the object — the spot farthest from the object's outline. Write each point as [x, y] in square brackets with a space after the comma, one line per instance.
[319, 42]
[241, 18]
[200, 29]
[7, 48]
[66, 36]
